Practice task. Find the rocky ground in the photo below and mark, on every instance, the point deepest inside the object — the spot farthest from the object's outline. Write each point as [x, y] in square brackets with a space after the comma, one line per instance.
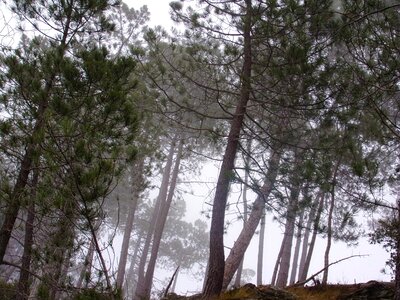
[372, 290]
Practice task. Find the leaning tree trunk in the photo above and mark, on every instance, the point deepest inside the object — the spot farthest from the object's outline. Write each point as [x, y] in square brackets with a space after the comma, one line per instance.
[216, 266]
[161, 198]
[137, 183]
[245, 236]
[160, 224]
[297, 250]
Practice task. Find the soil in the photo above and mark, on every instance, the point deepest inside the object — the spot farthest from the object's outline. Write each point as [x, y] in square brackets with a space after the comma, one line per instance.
[372, 290]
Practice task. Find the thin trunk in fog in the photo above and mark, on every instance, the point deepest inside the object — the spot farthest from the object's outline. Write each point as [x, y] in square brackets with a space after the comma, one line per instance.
[87, 266]
[129, 284]
[137, 182]
[329, 240]
[277, 262]
[397, 257]
[284, 265]
[23, 282]
[329, 228]
[297, 249]
[260, 256]
[313, 239]
[238, 277]
[239, 248]
[307, 232]
[162, 196]
[160, 224]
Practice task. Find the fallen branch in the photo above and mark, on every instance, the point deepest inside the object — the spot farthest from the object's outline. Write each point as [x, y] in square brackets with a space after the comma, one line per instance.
[170, 282]
[301, 283]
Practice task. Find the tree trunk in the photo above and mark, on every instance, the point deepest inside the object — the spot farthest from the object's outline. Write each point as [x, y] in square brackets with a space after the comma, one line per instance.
[245, 236]
[277, 263]
[284, 265]
[162, 196]
[160, 224]
[313, 239]
[216, 266]
[129, 285]
[137, 182]
[397, 254]
[261, 251]
[306, 237]
[329, 229]
[23, 283]
[87, 266]
[238, 277]
[296, 250]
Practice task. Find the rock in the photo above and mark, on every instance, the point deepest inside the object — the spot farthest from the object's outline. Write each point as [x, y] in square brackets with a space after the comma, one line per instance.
[372, 290]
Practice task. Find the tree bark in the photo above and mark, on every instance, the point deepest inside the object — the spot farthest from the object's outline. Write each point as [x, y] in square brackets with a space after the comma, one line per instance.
[136, 177]
[245, 236]
[161, 198]
[160, 224]
[216, 266]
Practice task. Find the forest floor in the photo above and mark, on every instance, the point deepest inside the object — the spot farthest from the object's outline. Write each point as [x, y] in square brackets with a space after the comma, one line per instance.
[372, 290]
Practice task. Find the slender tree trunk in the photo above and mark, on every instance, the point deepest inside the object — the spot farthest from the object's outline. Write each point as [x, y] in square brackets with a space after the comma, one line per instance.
[23, 283]
[162, 196]
[261, 251]
[397, 255]
[245, 236]
[129, 285]
[297, 250]
[87, 266]
[245, 187]
[215, 275]
[313, 239]
[137, 182]
[329, 229]
[175, 281]
[307, 232]
[277, 263]
[284, 265]
[160, 224]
